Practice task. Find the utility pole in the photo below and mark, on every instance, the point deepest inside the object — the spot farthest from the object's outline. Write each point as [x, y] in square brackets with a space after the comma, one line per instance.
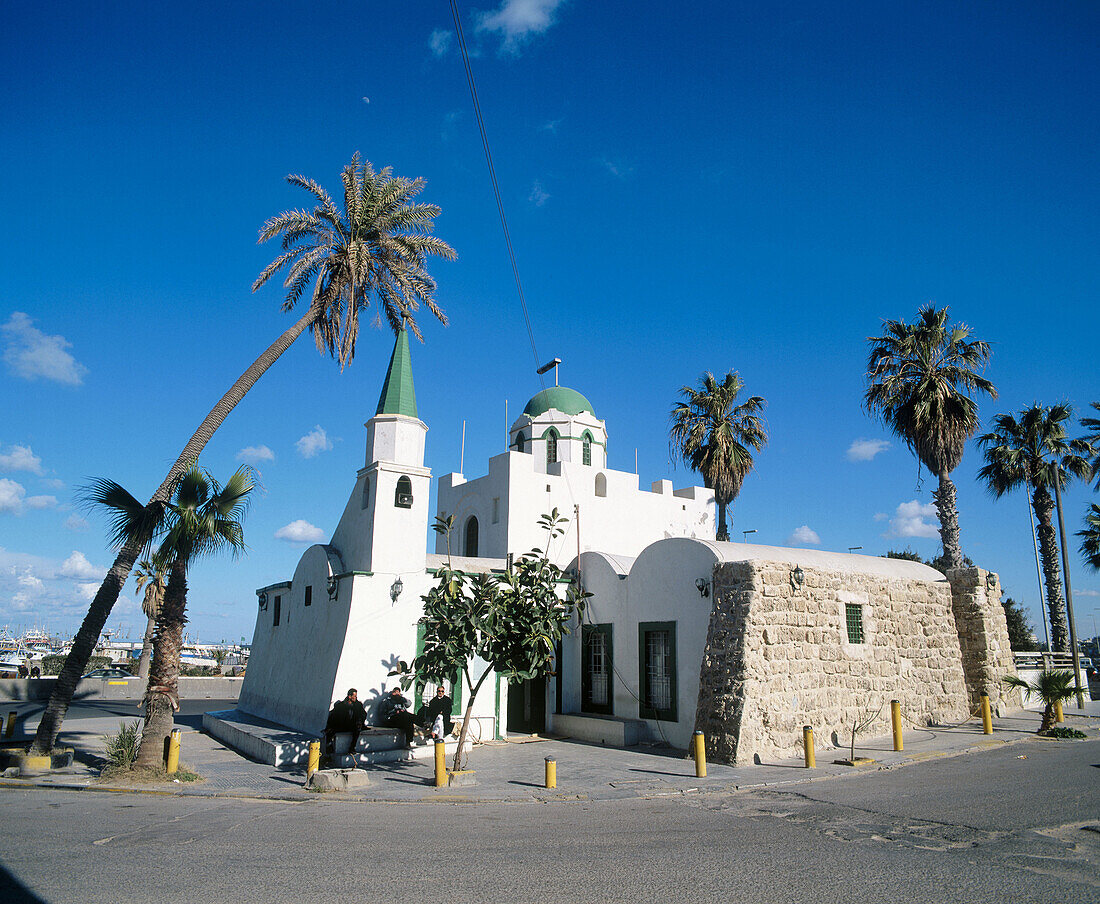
[1069, 592]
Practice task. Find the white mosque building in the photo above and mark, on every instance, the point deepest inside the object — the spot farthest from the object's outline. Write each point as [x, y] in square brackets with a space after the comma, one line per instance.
[748, 642]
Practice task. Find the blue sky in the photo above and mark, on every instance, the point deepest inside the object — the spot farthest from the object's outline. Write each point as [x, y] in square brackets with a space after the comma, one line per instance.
[751, 187]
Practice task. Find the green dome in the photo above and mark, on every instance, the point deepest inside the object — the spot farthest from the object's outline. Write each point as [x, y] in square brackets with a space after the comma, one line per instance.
[564, 399]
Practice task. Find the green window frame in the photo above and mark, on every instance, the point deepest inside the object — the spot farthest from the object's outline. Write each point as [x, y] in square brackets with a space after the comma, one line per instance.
[586, 448]
[551, 437]
[853, 621]
[597, 669]
[657, 671]
[419, 685]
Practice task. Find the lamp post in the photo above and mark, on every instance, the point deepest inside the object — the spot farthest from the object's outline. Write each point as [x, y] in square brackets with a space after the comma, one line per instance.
[852, 549]
[745, 534]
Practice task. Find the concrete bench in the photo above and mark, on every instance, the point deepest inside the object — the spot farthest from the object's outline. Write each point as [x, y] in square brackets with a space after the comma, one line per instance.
[606, 730]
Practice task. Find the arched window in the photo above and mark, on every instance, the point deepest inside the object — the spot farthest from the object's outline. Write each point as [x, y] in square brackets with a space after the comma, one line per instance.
[366, 492]
[519, 442]
[601, 484]
[403, 497]
[551, 445]
[586, 448]
[471, 536]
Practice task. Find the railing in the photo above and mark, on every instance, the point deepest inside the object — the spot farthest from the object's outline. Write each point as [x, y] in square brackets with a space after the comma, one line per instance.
[1046, 661]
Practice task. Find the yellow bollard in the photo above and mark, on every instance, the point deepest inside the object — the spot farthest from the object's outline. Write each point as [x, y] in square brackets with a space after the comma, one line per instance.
[174, 751]
[699, 748]
[987, 716]
[1058, 716]
[895, 719]
[9, 729]
[314, 758]
[551, 772]
[808, 745]
[440, 764]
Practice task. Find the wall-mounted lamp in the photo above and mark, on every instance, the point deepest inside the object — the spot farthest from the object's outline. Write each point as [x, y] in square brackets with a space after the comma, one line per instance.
[333, 587]
[991, 581]
[703, 586]
[261, 597]
[395, 589]
[798, 576]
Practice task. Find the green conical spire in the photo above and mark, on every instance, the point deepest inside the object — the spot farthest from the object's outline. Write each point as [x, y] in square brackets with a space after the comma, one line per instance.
[398, 395]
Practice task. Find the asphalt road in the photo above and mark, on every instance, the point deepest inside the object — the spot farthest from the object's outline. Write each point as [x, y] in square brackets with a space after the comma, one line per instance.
[989, 826]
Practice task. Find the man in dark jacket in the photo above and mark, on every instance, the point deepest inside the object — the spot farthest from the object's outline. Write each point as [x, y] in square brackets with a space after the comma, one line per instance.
[347, 715]
[393, 712]
[440, 705]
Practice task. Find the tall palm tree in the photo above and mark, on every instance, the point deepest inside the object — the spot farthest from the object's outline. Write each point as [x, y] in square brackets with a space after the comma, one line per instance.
[1033, 451]
[716, 437]
[1092, 424]
[202, 518]
[377, 245]
[1090, 537]
[920, 379]
[151, 582]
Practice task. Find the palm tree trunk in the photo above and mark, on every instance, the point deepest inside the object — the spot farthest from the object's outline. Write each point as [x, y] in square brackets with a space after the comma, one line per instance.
[1048, 552]
[948, 512]
[162, 692]
[146, 649]
[723, 531]
[105, 598]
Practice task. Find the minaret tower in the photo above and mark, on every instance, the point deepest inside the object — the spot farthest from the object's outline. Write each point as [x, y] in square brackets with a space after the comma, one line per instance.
[385, 522]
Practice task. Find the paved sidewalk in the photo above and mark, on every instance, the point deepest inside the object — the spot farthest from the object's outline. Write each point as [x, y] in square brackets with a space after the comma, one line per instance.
[513, 770]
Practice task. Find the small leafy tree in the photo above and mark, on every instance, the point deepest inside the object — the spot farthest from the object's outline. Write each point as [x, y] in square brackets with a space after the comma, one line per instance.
[1020, 635]
[1051, 686]
[508, 623]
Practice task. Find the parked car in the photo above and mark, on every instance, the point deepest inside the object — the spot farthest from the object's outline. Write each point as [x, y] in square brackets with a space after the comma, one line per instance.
[107, 673]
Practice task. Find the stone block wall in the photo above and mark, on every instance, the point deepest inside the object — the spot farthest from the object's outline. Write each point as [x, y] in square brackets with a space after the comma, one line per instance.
[983, 637]
[777, 657]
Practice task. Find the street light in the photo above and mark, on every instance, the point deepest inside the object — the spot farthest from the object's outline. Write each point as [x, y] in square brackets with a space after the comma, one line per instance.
[745, 534]
[854, 548]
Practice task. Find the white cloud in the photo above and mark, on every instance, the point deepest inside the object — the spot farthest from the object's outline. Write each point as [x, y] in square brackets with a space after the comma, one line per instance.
[802, 535]
[519, 20]
[41, 502]
[11, 496]
[440, 42]
[21, 458]
[1087, 592]
[77, 566]
[87, 591]
[914, 519]
[300, 531]
[866, 449]
[256, 454]
[617, 169]
[538, 195]
[313, 442]
[30, 581]
[881, 516]
[54, 484]
[32, 355]
[75, 523]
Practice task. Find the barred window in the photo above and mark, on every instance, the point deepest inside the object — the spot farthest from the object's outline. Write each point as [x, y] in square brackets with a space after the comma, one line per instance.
[596, 654]
[657, 667]
[586, 448]
[853, 618]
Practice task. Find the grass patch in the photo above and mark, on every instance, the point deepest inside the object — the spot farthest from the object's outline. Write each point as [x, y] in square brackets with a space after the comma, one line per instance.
[1065, 734]
[184, 775]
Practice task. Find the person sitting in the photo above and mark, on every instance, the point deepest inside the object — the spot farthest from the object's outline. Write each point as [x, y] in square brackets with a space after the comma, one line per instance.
[348, 715]
[393, 712]
[437, 714]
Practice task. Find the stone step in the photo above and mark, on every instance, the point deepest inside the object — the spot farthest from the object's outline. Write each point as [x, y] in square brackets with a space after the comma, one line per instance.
[421, 750]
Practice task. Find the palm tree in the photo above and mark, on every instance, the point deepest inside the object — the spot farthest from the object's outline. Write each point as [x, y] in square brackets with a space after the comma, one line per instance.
[377, 245]
[1033, 451]
[717, 437]
[202, 518]
[920, 378]
[1090, 537]
[1051, 686]
[1092, 424]
[151, 582]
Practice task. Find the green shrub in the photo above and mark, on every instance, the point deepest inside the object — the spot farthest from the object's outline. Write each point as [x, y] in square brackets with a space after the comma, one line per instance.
[199, 671]
[1064, 733]
[122, 748]
[51, 665]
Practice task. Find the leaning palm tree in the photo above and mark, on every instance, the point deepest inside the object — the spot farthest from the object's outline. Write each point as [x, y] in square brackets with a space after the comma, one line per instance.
[1051, 686]
[151, 581]
[377, 245]
[716, 437]
[1090, 537]
[202, 518]
[920, 379]
[1032, 451]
